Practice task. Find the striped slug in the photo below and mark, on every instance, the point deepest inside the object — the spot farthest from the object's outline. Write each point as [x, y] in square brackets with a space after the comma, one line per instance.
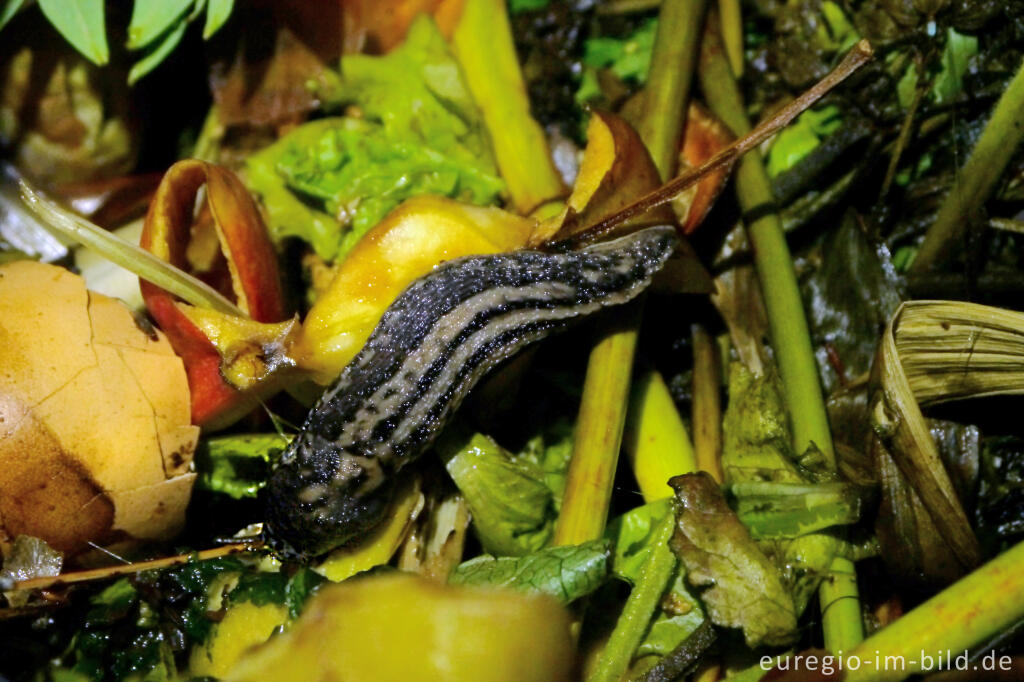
[438, 338]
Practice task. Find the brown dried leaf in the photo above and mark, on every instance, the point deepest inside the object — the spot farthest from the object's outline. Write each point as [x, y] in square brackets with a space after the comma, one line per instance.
[744, 588]
[935, 351]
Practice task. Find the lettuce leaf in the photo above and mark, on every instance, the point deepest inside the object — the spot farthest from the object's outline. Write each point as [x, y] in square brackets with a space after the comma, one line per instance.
[329, 181]
[238, 465]
[566, 573]
[513, 508]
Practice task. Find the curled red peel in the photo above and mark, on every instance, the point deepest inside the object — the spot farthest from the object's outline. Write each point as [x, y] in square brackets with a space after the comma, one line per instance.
[254, 276]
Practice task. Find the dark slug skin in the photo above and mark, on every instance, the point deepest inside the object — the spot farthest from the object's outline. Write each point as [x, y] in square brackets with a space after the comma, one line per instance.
[432, 345]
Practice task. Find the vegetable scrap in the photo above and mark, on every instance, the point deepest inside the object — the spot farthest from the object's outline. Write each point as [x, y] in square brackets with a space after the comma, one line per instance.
[509, 339]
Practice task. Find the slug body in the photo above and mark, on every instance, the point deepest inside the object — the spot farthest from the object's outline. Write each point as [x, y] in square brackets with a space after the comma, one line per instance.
[438, 338]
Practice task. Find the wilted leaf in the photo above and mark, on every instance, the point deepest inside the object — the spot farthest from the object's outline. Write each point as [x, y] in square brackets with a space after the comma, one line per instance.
[566, 573]
[616, 169]
[633, 536]
[935, 351]
[275, 81]
[744, 588]
[849, 298]
[757, 440]
[436, 542]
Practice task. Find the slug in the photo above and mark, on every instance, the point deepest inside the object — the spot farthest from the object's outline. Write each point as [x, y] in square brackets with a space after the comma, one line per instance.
[431, 346]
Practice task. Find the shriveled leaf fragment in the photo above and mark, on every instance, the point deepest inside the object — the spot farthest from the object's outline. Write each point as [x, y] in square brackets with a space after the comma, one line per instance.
[566, 573]
[756, 433]
[27, 558]
[435, 543]
[849, 298]
[615, 170]
[757, 448]
[743, 587]
[280, 84]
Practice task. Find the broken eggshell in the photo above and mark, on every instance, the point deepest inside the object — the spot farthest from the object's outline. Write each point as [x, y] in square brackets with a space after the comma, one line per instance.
[95, 438]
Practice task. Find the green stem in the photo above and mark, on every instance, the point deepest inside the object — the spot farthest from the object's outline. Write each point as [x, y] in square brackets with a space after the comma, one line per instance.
[606, 387]
[967, 613]
[668, 90]
[787, 322]
[483, 45]
[977, 180]
[599, 425]
[640, 608]
[707, 404]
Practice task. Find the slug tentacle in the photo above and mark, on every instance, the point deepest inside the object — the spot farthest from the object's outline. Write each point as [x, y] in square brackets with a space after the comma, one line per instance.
[435, 342]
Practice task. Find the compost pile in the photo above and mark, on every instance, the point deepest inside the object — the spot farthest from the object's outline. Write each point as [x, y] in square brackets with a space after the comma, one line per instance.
[795, 449]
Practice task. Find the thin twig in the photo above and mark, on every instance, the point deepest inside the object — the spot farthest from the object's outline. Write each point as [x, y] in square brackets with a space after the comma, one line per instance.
[857, 57]
[152, 564]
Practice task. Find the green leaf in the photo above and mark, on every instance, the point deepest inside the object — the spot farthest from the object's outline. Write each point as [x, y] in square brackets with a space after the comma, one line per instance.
[566, 573]
[789, 510]
[512, 508]
[8, 10]
[158, 53]
[743, 586]
[237, 465]
[956, 58]
[801, 137]
[152, 18]
[628, 58]
[835, 33]
[300, 588]
[217, 13]
[112, 603]
[516, 6]
[632, 536]
[82, 24]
